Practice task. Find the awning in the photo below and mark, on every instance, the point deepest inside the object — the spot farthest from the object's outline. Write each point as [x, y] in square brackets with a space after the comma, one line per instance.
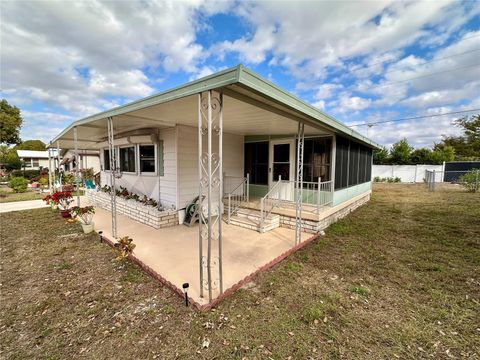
[252, 106]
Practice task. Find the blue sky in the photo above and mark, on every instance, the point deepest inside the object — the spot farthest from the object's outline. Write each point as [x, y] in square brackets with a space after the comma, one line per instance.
[358, 61]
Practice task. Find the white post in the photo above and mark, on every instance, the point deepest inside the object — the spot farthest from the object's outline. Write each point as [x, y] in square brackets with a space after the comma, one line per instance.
[248, 187]
[299, 183]
[58, 163]
[415, 177]
[77, 164]
[113, 166]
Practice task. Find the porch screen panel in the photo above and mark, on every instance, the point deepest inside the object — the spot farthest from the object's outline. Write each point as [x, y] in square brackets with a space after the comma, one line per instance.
[368, 176]
[353, 164]
[256, 162]
[341, 163]
[316, 159]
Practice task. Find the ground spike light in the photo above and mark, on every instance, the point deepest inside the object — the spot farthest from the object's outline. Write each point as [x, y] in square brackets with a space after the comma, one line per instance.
[101, 234]
[185, 287]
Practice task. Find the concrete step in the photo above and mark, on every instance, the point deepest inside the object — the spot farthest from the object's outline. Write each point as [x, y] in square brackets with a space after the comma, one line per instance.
[250, 219]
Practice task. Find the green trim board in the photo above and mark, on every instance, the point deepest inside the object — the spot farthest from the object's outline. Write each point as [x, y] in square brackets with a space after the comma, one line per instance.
[237, 75]
[340, 196]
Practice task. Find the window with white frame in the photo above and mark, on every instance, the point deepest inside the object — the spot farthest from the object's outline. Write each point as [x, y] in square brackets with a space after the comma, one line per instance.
[127, 159]
[147, 158]
[106, 160]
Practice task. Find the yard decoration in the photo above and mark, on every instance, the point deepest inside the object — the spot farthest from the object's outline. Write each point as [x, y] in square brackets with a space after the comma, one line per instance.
[50, 201]
[85, 216]
[125, 246]
[63, 199]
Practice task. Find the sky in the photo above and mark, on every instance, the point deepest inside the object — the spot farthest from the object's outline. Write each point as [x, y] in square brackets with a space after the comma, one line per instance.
[360, 62]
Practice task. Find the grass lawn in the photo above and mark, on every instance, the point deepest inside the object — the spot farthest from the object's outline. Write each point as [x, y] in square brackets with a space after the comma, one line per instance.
[7, 195]
[399, 278]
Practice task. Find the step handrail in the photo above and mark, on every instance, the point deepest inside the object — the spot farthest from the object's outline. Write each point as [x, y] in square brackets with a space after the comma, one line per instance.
[268, 203]
[235, 200]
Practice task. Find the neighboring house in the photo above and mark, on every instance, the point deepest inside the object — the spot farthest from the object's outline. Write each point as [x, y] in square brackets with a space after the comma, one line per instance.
[87, 158]
[33, 159]
[154, 147]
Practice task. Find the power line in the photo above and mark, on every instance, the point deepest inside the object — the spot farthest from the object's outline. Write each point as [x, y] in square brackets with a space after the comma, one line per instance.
[382, 62]
[427, 75]
[413, 118]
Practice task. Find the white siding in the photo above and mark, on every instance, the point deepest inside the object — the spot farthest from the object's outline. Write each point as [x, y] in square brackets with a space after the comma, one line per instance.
[149, 184]
[188, 161]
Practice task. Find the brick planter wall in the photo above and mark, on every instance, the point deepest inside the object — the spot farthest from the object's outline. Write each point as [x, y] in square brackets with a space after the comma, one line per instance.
[313, 227]
[135, 210]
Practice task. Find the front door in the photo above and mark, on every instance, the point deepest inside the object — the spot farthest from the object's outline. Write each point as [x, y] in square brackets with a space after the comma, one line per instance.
[282, 164]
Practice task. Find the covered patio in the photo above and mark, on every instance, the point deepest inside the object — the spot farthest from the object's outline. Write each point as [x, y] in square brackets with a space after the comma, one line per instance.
[197, 133]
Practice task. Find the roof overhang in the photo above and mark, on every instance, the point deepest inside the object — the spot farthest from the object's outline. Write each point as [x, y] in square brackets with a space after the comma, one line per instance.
[252, 106]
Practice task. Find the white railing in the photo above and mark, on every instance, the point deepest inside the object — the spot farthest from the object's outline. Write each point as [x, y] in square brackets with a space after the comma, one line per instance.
[316, 194]
[271, 200]
[237, 195]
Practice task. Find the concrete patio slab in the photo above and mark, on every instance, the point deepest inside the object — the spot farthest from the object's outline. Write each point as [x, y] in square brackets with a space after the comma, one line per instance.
[173, 252]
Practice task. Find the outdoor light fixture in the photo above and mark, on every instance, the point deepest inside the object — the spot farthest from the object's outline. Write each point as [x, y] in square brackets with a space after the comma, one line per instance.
[100, 233]
[185, 289]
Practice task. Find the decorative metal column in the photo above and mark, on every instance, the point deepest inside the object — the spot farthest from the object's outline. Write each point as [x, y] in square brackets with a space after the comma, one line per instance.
[113, 169]
[58, 164]
[299, 183]
[77, 164]
[210, 143]
[50, 182]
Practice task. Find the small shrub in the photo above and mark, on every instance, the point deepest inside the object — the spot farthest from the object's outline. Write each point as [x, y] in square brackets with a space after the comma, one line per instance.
[29, 174]
[125, 247]
[377, 179]
[293, 267]
[18, 184]
[471, 180]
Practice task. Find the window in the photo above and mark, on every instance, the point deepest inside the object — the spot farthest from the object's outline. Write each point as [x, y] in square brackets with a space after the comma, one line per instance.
[106, 160]
[27, 162]
[147, 158]
[316, 159]
[127, 159]
[256, 162]
[35, 162]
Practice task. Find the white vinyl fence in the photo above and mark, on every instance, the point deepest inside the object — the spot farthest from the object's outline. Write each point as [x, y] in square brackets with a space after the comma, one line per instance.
[407, 173]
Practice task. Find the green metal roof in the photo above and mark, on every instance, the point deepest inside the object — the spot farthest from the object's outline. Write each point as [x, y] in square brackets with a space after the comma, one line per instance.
[236, 75]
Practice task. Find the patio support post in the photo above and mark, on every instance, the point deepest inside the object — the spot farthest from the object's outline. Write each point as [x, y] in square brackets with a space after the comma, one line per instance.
[113, 169]
[248, 188]
[58, 164]
[210, 133]
[299, 183]
[49, 171]
[77, 163]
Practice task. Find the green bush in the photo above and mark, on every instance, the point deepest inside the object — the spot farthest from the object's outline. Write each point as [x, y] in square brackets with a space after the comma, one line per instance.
[18, 184]
[29, 174]
[471, 180]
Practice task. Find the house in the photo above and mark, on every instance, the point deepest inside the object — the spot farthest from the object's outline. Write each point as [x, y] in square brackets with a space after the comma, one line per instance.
[87, 158]
[268, 171]
[33, 159]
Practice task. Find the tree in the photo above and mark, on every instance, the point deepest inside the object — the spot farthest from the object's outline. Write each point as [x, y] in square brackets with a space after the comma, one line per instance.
[441, 153]
[400, 152]
[9, 158]
[10, 123]
[467, 146]
[421, 156]
[31, 145]
[380, 157]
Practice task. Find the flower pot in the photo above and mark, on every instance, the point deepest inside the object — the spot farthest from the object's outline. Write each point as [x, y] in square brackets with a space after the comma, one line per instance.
[87, 228]
[65, 213]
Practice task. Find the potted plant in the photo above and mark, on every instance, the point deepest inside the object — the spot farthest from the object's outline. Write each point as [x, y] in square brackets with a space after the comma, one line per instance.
[63, 199]
[85, 215]
[50, 201]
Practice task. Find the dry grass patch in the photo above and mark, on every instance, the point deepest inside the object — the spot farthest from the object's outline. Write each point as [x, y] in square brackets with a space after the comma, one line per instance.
[398, 278]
